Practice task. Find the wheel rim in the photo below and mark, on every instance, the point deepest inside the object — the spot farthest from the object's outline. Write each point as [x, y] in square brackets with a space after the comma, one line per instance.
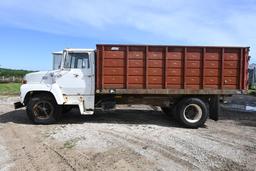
[43, 109]
[192, 113]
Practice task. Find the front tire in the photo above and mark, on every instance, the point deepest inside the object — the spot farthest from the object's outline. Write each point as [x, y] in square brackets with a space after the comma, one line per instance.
[192, 112]
[43, 110]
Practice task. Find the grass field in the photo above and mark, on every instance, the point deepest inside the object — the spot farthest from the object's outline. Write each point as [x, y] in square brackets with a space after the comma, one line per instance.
[252, 92]
[9, 88]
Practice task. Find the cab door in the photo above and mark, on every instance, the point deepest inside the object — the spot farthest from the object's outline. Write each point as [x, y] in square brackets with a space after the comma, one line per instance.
[77, 77]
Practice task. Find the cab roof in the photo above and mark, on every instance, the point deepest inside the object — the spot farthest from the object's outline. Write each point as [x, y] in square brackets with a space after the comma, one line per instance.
[57, 53]
[76, 50]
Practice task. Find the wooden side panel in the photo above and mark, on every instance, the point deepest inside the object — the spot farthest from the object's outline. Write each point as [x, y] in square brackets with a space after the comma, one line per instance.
[175, 72]
[212, 68]
[155, 66]
[231, 66]
[170, 67]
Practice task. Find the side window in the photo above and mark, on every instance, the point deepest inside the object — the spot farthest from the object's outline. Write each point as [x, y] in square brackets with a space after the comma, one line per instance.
[78, 60]
[85, 62]
[82, 62]
[67, 63]
[73, 60]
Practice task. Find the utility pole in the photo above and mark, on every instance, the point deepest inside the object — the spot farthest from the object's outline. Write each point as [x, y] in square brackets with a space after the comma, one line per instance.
[253, 76]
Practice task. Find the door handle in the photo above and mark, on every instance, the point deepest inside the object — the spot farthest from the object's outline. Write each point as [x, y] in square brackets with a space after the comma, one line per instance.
[58, 75]
[76, 75]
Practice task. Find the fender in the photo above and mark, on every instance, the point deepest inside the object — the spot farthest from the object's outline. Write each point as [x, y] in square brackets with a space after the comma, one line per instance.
[53, 88]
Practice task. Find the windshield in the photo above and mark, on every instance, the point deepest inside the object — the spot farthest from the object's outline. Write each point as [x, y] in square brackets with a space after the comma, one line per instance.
[77, 60]
[57, 57]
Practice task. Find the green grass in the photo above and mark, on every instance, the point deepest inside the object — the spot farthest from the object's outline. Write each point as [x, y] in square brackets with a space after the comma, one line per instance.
[70, 144]
[252, 92]
[9, 88]
[253, 87]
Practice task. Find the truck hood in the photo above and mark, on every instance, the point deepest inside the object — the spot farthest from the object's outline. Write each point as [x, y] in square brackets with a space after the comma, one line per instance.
[36, 77]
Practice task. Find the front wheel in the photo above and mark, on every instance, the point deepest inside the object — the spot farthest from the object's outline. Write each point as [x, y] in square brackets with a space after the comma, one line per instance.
[192, 112]
[43, 110]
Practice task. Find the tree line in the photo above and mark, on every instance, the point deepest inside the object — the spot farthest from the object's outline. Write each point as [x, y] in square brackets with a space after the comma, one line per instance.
[13, 72]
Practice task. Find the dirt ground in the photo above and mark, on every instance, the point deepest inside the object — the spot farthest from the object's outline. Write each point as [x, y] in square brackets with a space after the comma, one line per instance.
[138, 138]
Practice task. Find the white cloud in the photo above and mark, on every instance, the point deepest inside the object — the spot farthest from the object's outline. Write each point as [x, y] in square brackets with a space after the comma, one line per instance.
[220, 22]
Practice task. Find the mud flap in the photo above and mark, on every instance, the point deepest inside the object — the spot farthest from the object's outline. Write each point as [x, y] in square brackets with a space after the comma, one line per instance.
[214, 108]
[18, 105]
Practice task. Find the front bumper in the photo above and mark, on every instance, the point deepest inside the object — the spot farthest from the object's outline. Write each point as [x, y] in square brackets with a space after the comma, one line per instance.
[18, 105]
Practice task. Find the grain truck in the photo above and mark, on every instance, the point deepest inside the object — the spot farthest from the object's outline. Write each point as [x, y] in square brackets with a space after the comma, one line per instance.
[185, 81]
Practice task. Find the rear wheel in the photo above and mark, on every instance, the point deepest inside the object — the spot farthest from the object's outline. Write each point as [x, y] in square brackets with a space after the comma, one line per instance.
[192, 112]
[43, 110]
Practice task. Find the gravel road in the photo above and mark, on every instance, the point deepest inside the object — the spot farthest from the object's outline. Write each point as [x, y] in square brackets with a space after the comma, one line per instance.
[129, 138]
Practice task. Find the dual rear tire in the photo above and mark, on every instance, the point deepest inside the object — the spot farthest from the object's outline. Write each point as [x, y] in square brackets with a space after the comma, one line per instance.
[190, 112]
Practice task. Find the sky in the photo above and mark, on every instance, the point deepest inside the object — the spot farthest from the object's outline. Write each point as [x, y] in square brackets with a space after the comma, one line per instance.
[30, 30]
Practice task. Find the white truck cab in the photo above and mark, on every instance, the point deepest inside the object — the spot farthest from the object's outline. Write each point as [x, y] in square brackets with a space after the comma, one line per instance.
[71, 82]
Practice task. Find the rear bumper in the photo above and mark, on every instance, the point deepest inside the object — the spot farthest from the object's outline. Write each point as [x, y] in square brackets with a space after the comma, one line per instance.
[18, 105]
